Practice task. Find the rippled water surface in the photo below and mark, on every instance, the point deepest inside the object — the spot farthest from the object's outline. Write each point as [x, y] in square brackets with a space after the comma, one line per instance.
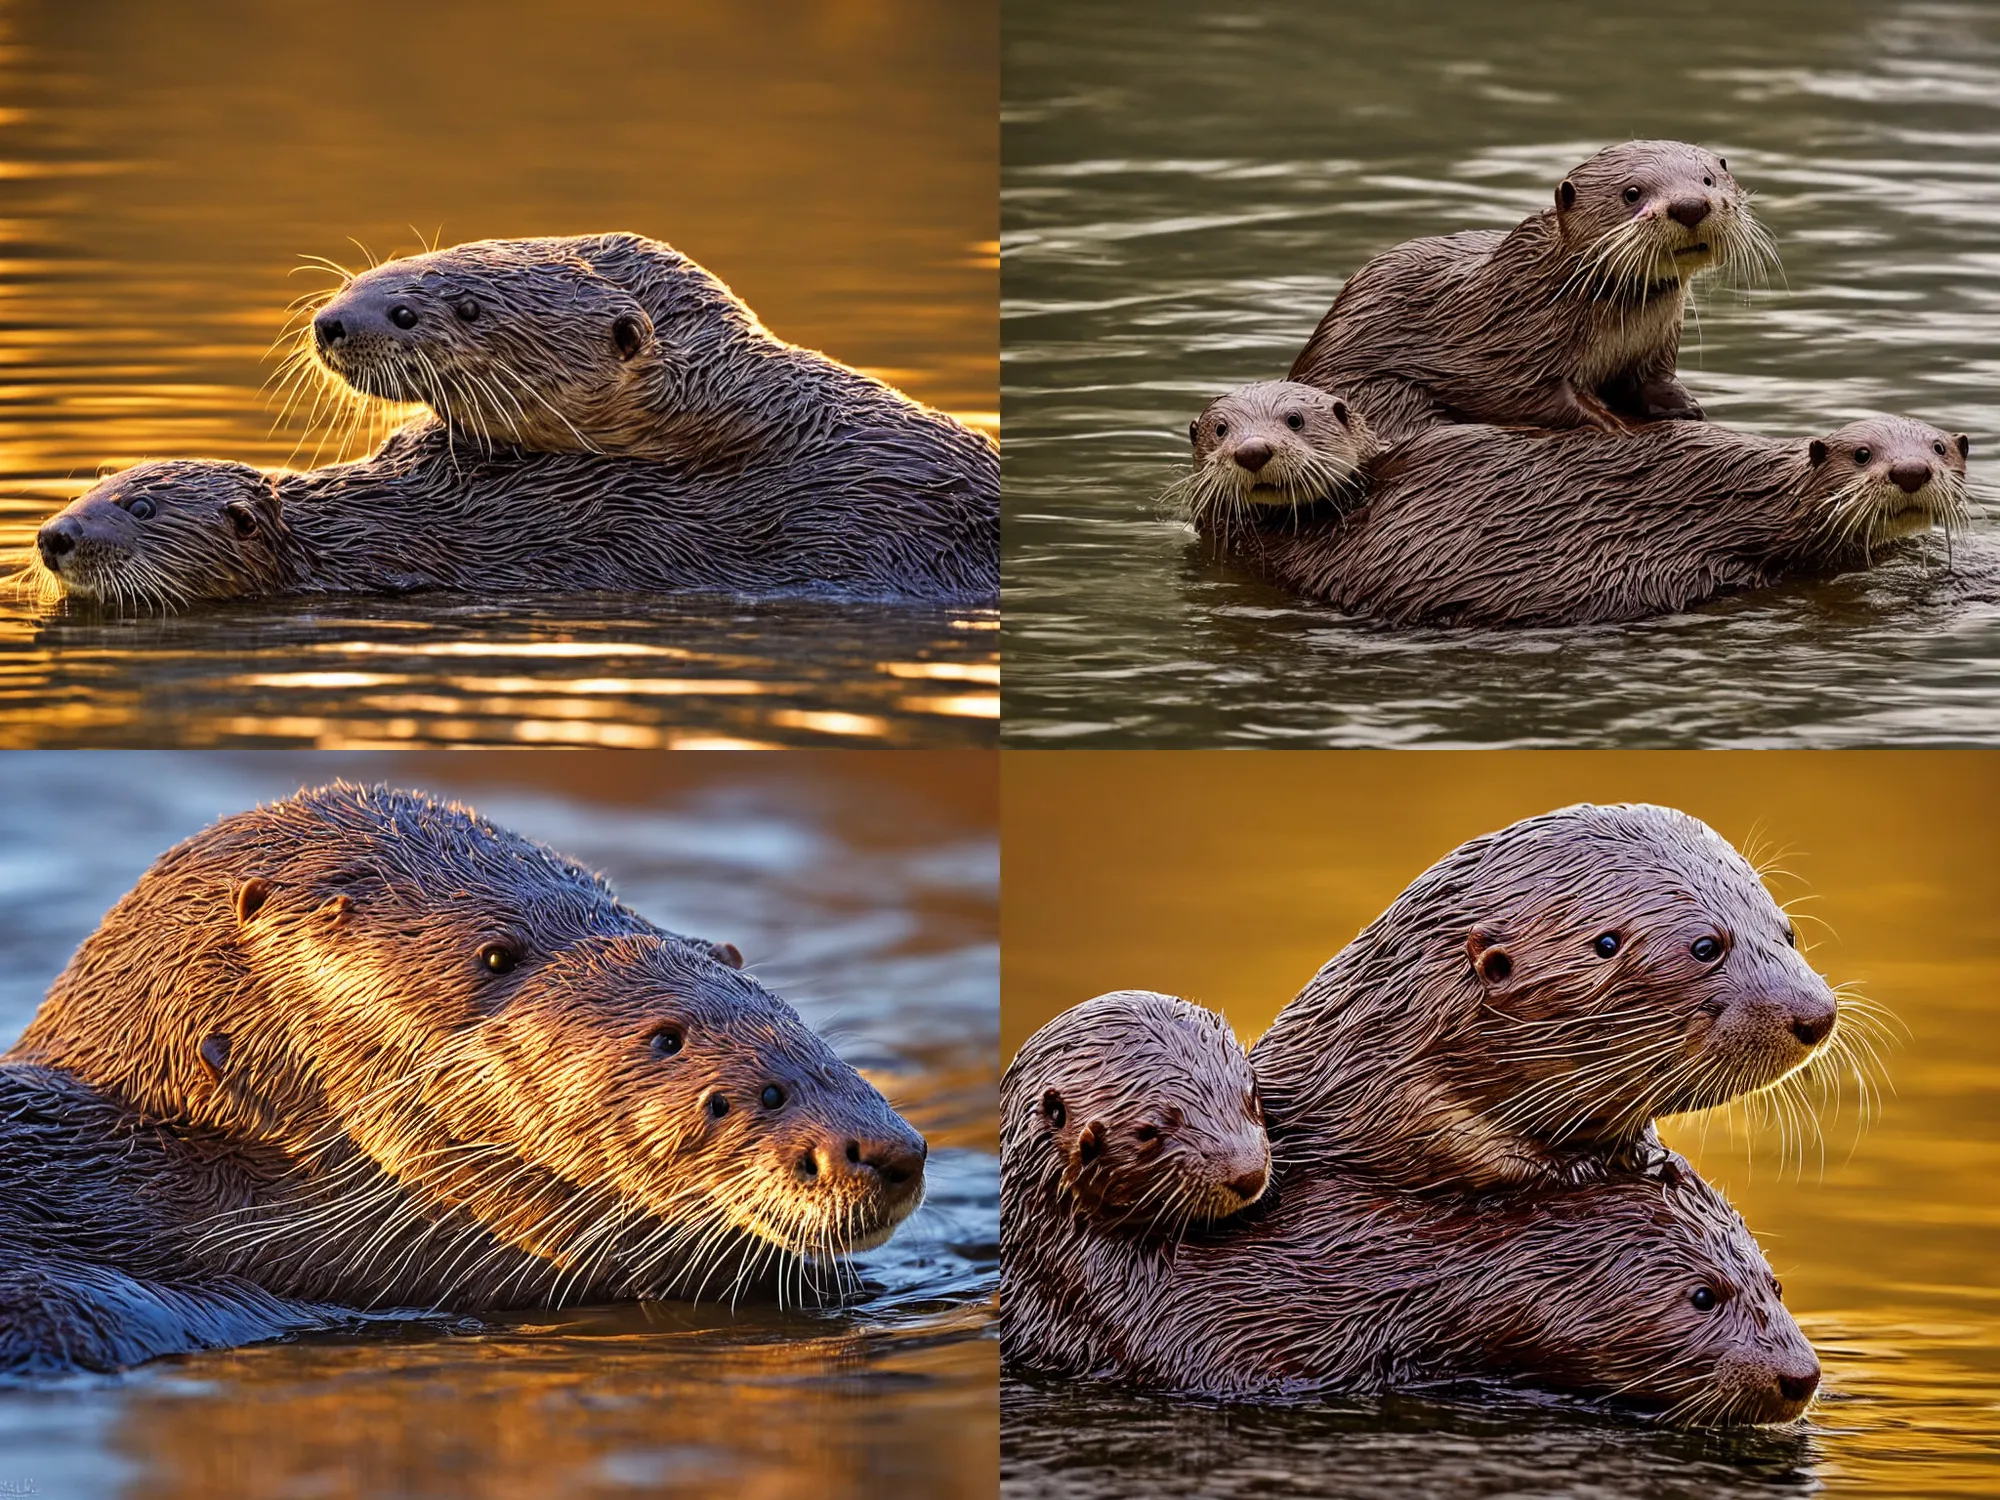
[1185, 186]
[863, 889]
[167, 168]
[1230, 879]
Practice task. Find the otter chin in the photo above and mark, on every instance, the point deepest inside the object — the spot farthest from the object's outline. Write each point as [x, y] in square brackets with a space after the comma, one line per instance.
[405, 1058]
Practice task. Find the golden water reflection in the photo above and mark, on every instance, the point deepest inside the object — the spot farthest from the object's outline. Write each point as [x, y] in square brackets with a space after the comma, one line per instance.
[1230, 879]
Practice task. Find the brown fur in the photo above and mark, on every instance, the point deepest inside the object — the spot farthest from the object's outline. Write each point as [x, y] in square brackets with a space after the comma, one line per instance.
[1476, 1035]
[1572, 318]
[431, 1064]
[1491, 527]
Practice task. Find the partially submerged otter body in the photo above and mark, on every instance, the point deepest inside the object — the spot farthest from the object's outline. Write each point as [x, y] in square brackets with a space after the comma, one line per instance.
[1485, 526]
[427, 512]
[1572, 318]
[405, 1059]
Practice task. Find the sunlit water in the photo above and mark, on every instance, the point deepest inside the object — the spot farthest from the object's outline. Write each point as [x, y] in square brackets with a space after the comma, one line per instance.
[1884, 1236]
[864, 893]
[167, 170]
[1184, 189]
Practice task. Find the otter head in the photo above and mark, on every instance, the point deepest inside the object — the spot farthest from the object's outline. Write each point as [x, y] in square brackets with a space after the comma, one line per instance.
[166, 533]
[1651, 215]
[1134, 1110]
[1652, 1290]
[508, 341]
[1882, 479]
[1537, 997]
[373, 983]
[1272, 444]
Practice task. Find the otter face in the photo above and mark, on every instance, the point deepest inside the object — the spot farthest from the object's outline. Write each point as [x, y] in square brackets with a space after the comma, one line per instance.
[164, 534]
[1887, 478]
[506, 341]
[1139, 1110]
[1657, 1294]
[1645, 213]
[1273, 443]
[480, 1020]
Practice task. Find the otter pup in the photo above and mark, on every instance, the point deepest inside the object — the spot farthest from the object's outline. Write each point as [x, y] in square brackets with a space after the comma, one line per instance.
[1272, 452]
[1527, 1007]
[424, 513]
[615, 343]
[371, 1051]
[1483, 526]
[1649, 1291]
[1570, 319]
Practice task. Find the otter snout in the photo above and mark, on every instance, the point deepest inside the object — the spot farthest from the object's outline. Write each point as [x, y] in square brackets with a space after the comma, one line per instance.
[1910, 475]
[1771, 1384]
[1252, 455]
[1688, 211]
[363, 312]
[57, 539]
[894, 1161]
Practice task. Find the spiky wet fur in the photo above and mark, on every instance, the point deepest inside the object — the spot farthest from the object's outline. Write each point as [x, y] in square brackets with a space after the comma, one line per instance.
[392, 1124]
[1573, 317]
[1581, 527]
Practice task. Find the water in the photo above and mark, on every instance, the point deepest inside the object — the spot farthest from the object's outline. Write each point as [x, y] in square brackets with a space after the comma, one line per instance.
[1230, 879]
[862, 888]
[166, 171]
[1183, 190]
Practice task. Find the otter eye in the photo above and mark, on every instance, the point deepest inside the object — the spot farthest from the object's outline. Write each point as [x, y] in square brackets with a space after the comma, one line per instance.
[1606, 944]
[772, 1097]
[1052, 1108]
[1938, 449]
[1708, 182]
[1862, 455]
[1294, 421]
[499, 958]
[1706, 950]
[718, 1105]
[403, 315]
[466, 308]
[142, 508]
[1147, 1132]
[1703, 1299]
[1222, 429]
[1631, 195]
[667, 1041]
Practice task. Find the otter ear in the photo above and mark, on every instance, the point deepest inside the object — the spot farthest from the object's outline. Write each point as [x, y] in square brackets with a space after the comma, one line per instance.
[1194, 429]
[1340, 411]
[1816, 451]
[215, 1052]
[630, 332]
[1565, 196]
[1492, 964]
[727, 954]
[1089, 1143]
[1964, 445]
[250, 898]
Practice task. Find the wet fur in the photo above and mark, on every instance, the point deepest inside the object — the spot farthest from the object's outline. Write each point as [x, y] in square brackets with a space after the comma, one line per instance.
[333, 1100]
[1572, 318]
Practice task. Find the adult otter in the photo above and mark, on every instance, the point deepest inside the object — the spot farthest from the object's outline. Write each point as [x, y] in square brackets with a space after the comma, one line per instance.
[1571, 318]
[1486, 526]
[615, 343]
[1648, 1290]
[424, 513]
[406, 1059]
[1151, 1104]
[1531, 1002]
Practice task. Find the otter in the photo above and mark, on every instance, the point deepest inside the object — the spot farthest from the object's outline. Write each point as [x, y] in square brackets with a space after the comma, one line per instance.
[373, 1052]
[1571, 318]
[1645, 1290]
[424, 513]
[1154, 1109]
[1526, 1008]
[615, 343]
[1270, 452]
[1485, 526]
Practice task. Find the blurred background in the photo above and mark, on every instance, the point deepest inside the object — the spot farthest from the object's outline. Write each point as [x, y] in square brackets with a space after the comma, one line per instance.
[861, 886]
[169, 167]
[1230, 879]
[1185, 186]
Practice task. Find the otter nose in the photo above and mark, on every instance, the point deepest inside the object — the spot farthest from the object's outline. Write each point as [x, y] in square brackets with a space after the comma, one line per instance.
[895, 1161]
[1798, 1387]
[57, 539]
[1249, 1185]
[328, 330]
[1253, 455]
[1688, 211]
[1812, 1022]
[1911, 475]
